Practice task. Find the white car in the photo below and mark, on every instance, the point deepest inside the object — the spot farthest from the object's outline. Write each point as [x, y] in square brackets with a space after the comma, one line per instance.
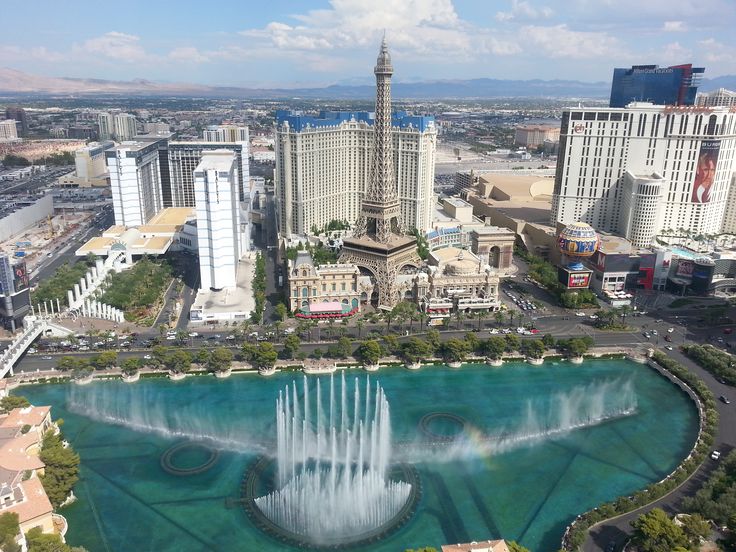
[494, 331]
[668, 347]
[193, 334]
[170, 337]
[670, 330]
[147, 357]
[655, 332]
[594, 317]
[715, 455]
[581, 314]
[506, 331]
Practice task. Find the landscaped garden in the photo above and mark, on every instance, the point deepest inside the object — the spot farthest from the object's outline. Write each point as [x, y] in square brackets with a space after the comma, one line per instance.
[55, 287]
[139, 291]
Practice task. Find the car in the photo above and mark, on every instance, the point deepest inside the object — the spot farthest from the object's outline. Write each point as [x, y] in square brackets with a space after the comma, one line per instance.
[505, 331]
[581, 314]
[193, 334]
[723, 398]
[229, 337]
[32, 351]
[211, 338]
[670, 330]
[655, 332]
[47, 358]
[217, 336]
[715, 455]
[170, 337]
[534, 331]
[668, 347]
[667, 338]
[147, 357]
[659, 321]
[594, 317]
[646, 335]
[84, 348]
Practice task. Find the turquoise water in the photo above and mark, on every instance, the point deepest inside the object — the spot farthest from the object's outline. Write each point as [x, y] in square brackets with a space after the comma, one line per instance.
[514, 471]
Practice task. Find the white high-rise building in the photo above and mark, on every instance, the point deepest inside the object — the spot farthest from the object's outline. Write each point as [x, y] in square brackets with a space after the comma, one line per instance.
[323, 168]
[156, 128]
[717, 98]
[135, 182]
[106, 123]
[218, 219]
[184, 157]
[125, 127]
[226, 133]
[8, 130]
[645, 168]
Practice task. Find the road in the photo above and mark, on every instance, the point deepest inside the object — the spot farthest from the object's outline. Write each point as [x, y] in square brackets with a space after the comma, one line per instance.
[66, 254]
[266, 241]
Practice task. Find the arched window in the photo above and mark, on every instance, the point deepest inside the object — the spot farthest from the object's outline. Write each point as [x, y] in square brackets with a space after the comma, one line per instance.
[305, 292]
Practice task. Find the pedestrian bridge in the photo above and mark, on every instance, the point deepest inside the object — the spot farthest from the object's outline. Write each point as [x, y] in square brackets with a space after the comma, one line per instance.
[35, 326]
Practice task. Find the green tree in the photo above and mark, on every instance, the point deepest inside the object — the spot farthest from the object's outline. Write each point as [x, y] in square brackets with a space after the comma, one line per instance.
[220, 359]
[12, 401]
[433, 338]
[695, 528]
[178, 361]
[414, 349]
[453, 350]
[9, 530]
[472, 342]
[344, 347]
[281, 311]
[403, 311]
[38, 541]
[533, 348]
[62, 468]
[370, 352]
[391, 344]
[291, 345]
[265, 357]
[493, 347]
[512, 342]
[499, 317]
[549, 341]
[130, 366]
[66, 363]
[105, 359]
[516, 547]
[656, 532]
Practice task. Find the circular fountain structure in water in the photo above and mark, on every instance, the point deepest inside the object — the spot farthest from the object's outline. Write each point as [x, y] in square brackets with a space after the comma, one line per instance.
[331, 482]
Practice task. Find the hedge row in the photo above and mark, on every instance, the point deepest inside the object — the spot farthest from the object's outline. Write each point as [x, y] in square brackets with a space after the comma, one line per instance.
[576, 533]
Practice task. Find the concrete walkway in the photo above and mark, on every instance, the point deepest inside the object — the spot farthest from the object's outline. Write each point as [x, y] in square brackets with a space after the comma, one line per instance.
[619, 529]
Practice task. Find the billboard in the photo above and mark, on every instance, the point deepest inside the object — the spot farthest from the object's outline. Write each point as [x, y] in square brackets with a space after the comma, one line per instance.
[705, 170]
[684, 268]
[20, 276]
[578, 280]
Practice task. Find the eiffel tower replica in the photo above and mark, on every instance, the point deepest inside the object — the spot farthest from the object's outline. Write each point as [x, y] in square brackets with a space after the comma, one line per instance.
[379, 244]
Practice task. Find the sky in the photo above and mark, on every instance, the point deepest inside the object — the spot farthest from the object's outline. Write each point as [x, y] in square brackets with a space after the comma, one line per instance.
[319, 42]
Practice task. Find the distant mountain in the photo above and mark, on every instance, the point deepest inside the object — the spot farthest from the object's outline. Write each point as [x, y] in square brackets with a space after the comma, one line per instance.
[13, 82]
[17, 82]
[726, 81]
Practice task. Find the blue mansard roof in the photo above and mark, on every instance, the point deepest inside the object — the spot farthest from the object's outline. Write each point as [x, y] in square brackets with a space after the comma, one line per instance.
[299, 122]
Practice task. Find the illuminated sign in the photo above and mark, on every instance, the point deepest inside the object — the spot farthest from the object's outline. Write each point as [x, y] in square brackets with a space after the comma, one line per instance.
[578, 280]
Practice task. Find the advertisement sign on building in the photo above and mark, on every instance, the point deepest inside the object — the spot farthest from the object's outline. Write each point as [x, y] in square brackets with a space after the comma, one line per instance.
[578, 280]
[20, 276]
[684, 268]
[705, 170]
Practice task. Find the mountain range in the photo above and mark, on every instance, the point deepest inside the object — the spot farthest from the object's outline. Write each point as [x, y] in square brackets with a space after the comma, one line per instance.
[14, 82]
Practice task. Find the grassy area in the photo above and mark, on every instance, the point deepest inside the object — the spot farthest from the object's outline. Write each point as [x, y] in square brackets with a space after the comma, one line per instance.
[715, 361]
[63, 280]
[139, 291]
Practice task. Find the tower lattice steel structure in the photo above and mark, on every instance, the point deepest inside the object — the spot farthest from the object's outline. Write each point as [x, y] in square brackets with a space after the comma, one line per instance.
[379, 244]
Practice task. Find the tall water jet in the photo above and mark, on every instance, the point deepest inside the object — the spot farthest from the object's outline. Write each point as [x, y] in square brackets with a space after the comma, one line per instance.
[332, 468]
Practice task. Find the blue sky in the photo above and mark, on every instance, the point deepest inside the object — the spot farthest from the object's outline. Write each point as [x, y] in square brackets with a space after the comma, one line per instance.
[318, 42]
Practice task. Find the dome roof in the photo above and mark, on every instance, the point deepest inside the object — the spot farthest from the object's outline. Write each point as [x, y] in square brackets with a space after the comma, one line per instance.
[579, 240]
[578, 230]
[461, 266]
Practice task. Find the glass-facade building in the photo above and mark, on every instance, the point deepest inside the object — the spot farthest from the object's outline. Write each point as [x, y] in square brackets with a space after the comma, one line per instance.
[676, 85]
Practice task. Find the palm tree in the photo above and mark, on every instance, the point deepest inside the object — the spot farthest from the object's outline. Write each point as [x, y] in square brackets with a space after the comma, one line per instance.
[458, 317]
[499, 317]
[481, 314]
[624, 310]
[360, 323]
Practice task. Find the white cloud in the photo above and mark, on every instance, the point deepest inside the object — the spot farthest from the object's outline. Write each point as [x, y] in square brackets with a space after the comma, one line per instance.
[188, 54]
[559, 41]
[521, 9]
[114, 45]
[714, 51]
[10, 53]
[674, 53]
[674, 27]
